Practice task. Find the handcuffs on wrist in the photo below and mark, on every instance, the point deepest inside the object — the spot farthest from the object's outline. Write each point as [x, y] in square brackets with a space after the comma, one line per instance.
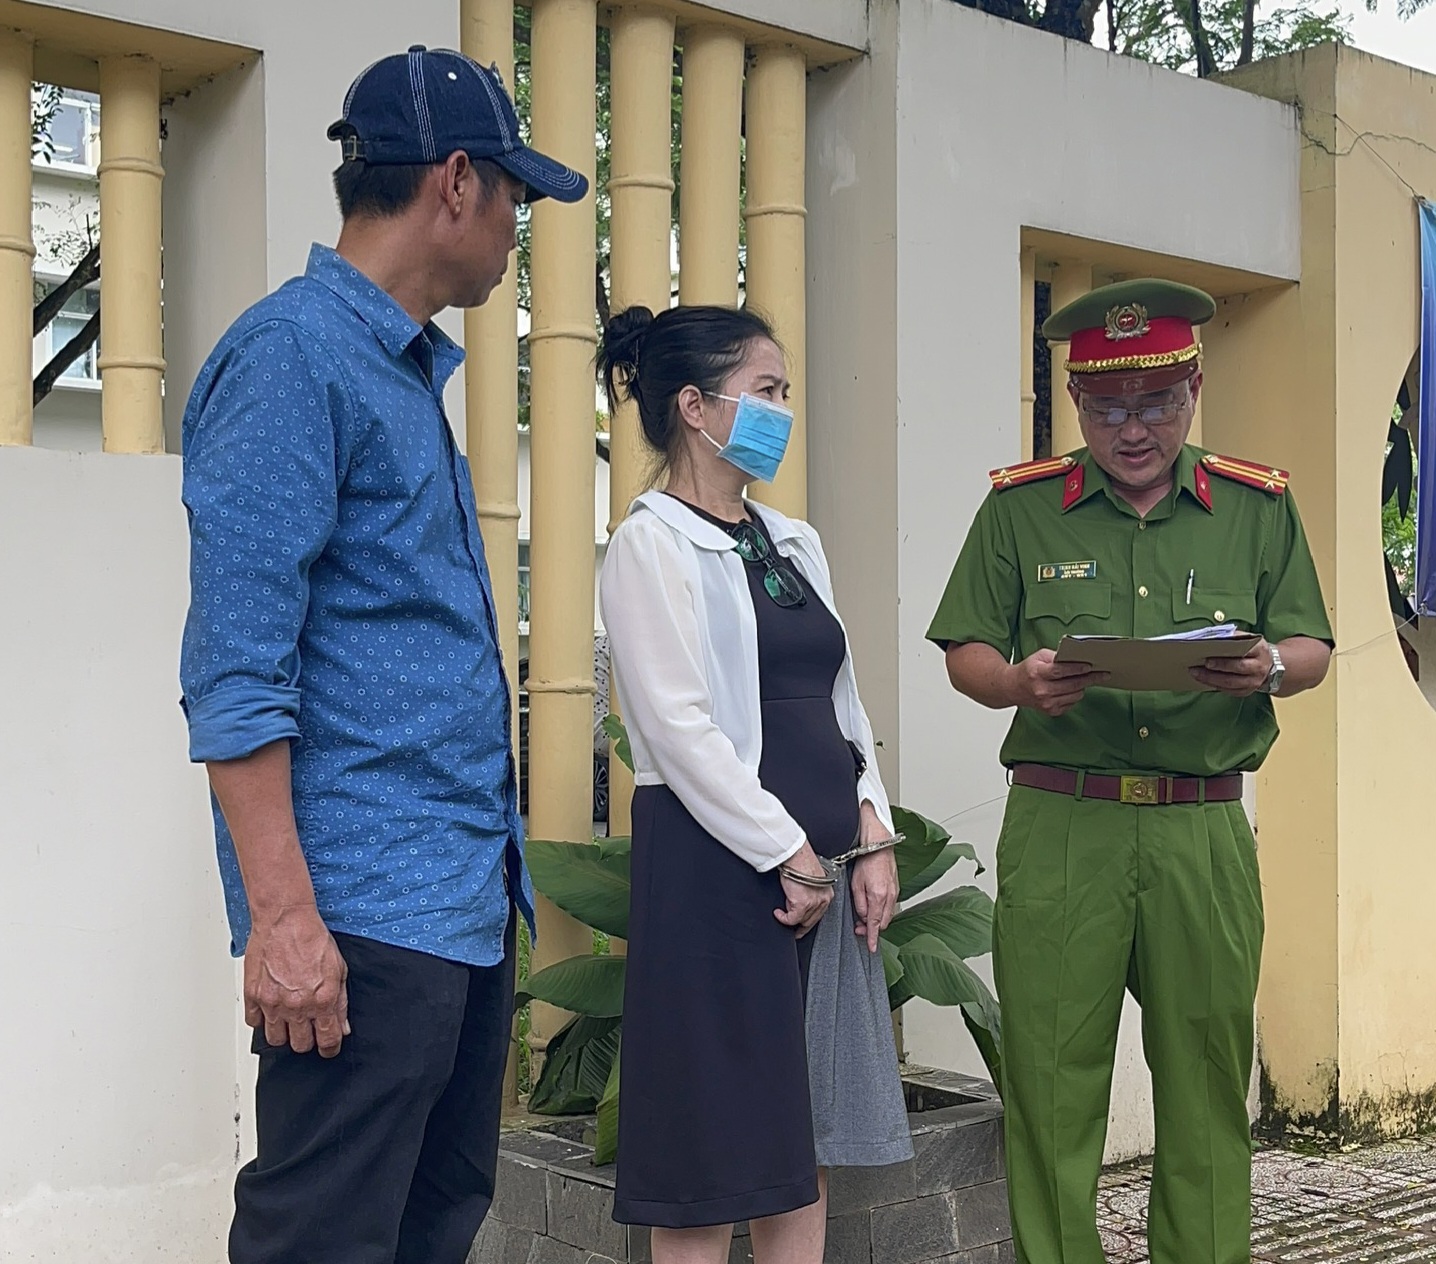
[837, 862]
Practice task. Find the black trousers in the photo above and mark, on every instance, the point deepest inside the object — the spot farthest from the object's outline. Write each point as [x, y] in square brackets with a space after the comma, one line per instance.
[385, 1154]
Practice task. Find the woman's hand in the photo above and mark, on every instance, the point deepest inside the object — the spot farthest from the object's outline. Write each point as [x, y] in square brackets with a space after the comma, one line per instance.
[875, 881]
[806, 905]
[875, 895]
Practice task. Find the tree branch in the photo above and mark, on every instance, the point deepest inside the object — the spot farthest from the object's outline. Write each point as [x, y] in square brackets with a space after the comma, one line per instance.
[1074, 19]
[1206, 63]
[66, 356]
[1248, 32]
[1087, 14]
[86, 272]
[1012, 10]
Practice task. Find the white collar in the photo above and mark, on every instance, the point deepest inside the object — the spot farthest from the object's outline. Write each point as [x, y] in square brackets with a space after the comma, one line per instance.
[676, 514]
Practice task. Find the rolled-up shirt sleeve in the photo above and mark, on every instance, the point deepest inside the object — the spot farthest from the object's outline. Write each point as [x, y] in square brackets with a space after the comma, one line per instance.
[261, 492]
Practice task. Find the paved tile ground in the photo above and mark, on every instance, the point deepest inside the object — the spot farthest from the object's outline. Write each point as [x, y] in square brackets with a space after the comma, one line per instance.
[1372, 1206]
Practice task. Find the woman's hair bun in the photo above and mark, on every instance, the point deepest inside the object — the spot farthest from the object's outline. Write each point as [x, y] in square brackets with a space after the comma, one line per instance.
[652, 360]
[618, 351]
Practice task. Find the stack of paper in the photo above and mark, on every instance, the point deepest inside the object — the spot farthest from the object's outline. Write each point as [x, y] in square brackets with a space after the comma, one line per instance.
[1159, 662]
[1217, 632]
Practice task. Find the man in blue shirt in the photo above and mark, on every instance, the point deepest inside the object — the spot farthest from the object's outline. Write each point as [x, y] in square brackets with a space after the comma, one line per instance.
[343, 684]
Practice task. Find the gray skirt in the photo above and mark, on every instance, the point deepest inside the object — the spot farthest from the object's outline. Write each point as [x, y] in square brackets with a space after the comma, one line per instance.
[859, 1112]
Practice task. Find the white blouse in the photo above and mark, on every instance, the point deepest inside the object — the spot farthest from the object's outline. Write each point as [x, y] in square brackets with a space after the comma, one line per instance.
[684, 642]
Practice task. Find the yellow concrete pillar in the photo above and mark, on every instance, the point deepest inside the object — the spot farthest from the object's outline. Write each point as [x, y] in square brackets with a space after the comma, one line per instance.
[561, 340]
[1070, 280]
[491, 395]
[17, 248]
[640, 267]
[710, 167]
[491, 401]
[132, 362]
[1027, 388]
[775, 214]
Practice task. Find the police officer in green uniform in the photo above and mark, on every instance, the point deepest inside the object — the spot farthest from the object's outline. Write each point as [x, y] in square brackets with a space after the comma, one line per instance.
[1126, 860]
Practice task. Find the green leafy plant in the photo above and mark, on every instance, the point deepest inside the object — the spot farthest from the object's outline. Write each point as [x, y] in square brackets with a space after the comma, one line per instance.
[925, 954]
[44, 105]
[1398, 526]
[927, 946]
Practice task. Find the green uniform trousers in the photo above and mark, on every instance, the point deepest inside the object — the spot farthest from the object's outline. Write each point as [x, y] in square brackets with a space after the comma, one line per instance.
[1095, 897]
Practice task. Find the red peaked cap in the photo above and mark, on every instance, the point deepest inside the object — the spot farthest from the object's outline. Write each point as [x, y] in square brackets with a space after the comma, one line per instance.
[1132, 337]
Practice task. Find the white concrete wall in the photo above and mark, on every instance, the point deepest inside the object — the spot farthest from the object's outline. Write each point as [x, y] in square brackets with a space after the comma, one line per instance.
[117, 1072]
[68, 418]
[853, 435]
[841, 22]
[981, 126]
[216, 181]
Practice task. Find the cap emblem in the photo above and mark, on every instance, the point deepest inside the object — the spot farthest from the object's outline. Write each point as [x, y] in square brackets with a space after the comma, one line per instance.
[1129, 320]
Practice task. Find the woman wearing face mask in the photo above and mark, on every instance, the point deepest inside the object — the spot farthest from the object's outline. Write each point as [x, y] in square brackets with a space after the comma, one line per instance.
[757, 1048]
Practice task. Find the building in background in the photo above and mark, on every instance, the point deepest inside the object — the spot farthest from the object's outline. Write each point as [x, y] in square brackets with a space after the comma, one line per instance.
[65, 225]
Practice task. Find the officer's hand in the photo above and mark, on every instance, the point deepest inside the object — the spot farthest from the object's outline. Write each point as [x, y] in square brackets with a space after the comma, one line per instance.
[1054, 688]
[1239, 677]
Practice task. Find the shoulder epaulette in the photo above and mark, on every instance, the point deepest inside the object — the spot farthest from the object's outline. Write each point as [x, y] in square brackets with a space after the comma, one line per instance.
[1262, 477]
[1029, 472]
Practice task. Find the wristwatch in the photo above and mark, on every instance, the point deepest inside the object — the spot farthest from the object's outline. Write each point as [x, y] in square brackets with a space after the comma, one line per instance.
[1278, 670]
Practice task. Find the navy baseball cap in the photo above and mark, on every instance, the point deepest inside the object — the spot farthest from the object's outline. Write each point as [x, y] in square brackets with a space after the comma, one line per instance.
[421, 106]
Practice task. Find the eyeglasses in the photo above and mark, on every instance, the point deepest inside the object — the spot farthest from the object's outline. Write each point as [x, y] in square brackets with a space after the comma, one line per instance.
[1151, 415]
[779, 582]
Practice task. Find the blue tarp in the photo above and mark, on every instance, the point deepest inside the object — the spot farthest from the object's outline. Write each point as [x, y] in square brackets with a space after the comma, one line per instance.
[1426, 462]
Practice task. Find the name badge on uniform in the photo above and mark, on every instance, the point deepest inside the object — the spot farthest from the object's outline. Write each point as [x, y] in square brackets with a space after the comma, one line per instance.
[1065, 570]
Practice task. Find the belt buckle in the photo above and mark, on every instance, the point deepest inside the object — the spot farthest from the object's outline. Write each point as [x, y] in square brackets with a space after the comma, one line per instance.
[1139, 791]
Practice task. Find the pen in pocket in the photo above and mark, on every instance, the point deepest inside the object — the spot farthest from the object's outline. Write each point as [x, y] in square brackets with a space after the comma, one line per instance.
[1191, 575]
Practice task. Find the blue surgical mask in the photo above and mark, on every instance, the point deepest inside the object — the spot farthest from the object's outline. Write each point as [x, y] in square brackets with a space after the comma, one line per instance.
[759, 437]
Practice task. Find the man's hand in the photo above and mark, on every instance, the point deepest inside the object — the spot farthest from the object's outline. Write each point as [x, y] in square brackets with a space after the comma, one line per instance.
[805, 905]
[294, 982]
[1043, 684]
[1239, 677]
[293, 974]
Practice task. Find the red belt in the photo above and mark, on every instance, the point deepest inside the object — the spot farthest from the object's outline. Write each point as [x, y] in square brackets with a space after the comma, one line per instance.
[1138, 789]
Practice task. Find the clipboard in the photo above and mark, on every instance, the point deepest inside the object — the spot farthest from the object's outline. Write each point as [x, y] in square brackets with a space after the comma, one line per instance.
[1156, 664]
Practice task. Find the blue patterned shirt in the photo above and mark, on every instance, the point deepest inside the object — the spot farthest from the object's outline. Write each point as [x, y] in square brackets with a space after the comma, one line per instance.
[340, 599]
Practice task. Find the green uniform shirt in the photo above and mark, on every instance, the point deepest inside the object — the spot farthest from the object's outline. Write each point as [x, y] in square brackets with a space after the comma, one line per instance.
[1117, 574]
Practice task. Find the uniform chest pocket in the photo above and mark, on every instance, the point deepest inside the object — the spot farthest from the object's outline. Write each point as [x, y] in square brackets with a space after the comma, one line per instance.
[1211, 605]
[1069, 600]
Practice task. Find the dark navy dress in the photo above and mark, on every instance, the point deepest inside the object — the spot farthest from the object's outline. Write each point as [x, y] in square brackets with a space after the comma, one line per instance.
[715, 1124]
